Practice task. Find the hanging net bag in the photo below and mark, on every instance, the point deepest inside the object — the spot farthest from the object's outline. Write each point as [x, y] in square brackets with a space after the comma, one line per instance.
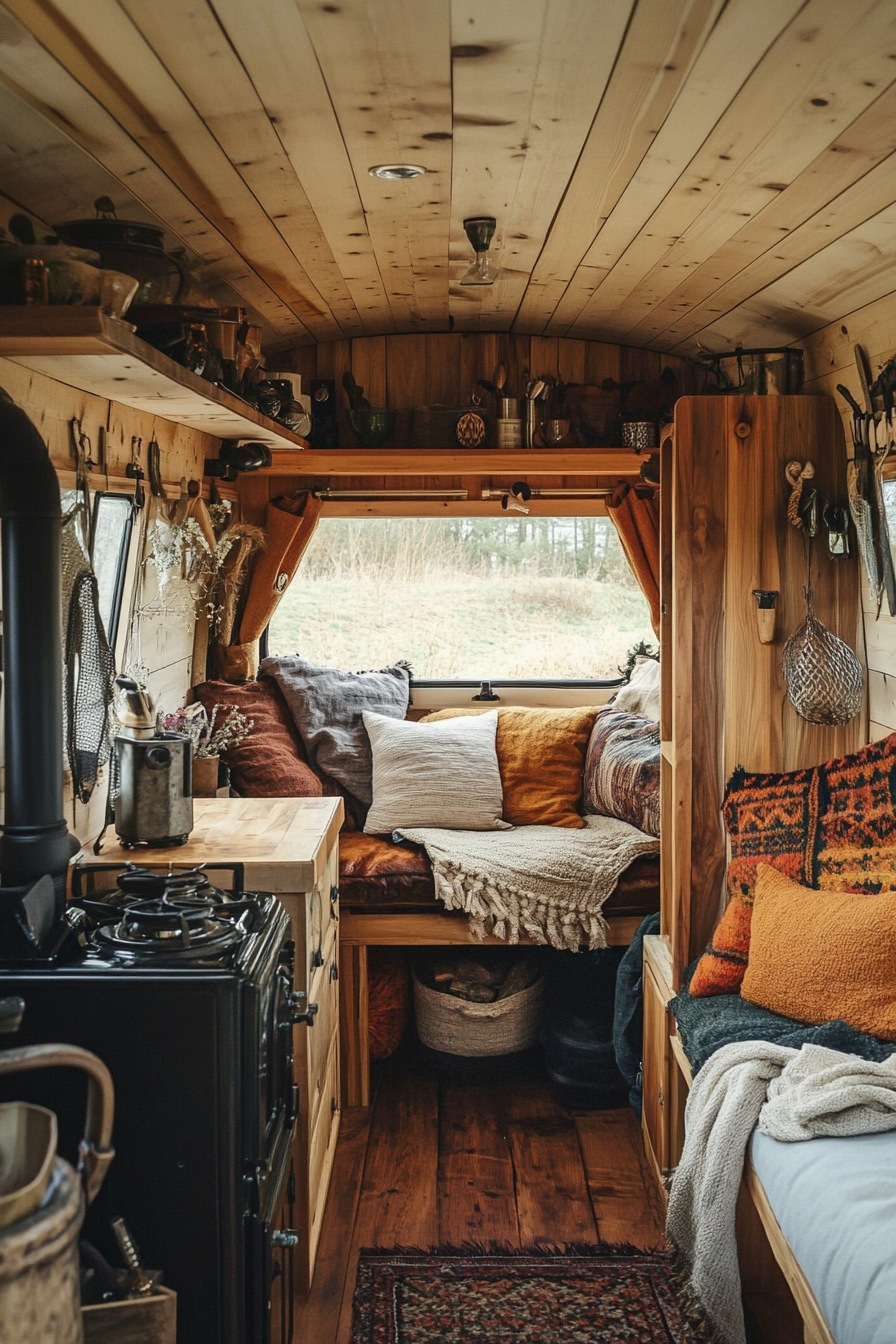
[825, 680]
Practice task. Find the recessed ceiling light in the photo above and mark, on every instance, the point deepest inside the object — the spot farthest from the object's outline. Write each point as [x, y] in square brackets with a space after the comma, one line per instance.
[396, 171]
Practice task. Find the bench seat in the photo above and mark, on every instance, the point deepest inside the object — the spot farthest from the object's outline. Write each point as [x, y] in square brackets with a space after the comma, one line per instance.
[377, 875]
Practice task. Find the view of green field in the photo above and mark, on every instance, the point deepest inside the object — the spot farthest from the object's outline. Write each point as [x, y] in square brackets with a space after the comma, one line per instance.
[465, 598]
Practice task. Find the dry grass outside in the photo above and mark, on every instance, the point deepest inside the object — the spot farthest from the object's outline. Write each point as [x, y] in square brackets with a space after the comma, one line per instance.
[479, 603]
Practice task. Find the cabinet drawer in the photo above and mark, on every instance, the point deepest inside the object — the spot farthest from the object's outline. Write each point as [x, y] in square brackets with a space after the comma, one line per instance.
[324, 1132]
[320, 1037]
[321, 915]
[313, 916]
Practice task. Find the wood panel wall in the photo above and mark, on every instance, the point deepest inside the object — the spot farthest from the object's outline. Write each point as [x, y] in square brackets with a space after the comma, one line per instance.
[726, 533]
[830, 359]
[167, 645]
[402, 372]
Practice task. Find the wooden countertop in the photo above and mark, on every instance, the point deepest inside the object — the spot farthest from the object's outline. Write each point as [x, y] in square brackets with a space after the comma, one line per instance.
[282, 843]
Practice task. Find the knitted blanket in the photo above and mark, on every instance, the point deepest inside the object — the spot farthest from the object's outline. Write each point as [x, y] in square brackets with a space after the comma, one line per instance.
[794, 1095]
[544, 881]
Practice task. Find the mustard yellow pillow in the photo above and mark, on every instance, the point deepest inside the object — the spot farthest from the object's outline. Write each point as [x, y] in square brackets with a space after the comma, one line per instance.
[819, 956]
[541, 756]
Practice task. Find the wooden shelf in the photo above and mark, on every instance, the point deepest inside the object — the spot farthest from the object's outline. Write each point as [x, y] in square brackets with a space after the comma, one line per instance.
[87, 349]
[614, 462]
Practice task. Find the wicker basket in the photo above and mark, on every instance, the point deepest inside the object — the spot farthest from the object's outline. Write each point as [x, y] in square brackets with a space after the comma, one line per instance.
[476, 1030]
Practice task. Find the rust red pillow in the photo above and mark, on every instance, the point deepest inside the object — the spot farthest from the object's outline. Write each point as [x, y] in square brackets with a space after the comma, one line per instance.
[271, 762]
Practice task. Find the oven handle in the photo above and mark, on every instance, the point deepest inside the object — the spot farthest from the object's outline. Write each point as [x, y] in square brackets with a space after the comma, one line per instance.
[297, 1013]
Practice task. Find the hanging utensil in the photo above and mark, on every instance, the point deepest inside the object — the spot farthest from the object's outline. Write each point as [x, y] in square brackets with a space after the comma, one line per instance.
[859, 507]
[863, 364]
[883, 431]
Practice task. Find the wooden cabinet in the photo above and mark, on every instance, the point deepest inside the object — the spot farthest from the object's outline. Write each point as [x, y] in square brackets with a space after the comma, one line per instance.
[656, 1059]
[314, 915]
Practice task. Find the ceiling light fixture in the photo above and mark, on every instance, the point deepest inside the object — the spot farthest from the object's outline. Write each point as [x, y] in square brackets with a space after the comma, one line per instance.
[396, 172]
[480, 230]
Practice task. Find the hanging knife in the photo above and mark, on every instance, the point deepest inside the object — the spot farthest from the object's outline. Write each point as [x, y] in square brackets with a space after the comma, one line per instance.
[861, 510]
[863, 364]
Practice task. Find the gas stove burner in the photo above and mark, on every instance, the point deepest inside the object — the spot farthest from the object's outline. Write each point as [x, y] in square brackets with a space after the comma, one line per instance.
[163, 914]
[147, 883]
[172, 924]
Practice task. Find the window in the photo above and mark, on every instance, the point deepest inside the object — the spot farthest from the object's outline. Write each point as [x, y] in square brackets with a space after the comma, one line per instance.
[111, 527]
[113, 520]
[465, 598]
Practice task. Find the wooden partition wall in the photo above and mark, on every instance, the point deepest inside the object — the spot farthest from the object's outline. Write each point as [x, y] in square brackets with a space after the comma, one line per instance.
[725, 533]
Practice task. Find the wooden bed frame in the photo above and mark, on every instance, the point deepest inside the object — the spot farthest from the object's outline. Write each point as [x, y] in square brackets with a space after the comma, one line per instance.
[775, 1288]
[358, 931]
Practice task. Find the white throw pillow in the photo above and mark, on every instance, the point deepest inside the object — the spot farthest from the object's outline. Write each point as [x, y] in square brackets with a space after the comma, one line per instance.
[641, 694]
[435, 774]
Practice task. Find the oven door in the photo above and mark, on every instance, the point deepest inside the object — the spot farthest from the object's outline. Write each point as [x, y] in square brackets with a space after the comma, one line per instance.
[271, 1243]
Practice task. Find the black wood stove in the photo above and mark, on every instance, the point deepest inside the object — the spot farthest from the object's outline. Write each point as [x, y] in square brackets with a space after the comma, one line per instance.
[185, 991]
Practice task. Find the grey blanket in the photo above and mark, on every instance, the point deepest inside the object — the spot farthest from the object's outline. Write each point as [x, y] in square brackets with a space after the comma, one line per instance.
[706, 1024]
[544, 881]
[327, 705]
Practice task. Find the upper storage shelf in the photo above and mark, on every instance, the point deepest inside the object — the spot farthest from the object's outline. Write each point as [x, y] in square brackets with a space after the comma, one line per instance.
[85, 348]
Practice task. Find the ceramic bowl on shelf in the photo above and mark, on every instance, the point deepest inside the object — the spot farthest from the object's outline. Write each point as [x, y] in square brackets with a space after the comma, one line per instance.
[372, 428]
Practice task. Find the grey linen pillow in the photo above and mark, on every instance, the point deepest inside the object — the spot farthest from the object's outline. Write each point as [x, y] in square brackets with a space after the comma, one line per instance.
[327, 704]
[435, 774]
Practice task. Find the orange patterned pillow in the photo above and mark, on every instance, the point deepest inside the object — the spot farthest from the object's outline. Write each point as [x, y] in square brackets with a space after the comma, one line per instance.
[768, 818]
[823, 956]
[833, 825]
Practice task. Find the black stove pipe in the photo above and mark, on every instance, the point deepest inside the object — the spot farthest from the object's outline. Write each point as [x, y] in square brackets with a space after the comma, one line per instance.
[35, 839]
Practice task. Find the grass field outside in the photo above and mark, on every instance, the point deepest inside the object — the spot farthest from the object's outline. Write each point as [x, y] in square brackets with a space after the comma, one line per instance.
[464, 598]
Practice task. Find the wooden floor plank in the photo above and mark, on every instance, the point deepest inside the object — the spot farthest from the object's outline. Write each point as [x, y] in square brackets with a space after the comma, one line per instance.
[433, 1162]
[398, 1204]
[553, 1204]
[609, 1143]
[476, 1187]
[317, 1317]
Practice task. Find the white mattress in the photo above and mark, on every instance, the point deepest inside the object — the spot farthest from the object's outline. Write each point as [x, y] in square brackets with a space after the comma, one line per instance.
[835, 1202]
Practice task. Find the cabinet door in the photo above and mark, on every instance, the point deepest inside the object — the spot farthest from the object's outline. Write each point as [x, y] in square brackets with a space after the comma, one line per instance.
[655, 1115]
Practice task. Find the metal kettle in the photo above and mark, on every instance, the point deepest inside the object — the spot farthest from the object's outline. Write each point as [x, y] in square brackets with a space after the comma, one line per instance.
[154, 805]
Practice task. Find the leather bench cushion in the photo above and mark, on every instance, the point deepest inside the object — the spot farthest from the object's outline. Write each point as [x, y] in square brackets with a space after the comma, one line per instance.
[376, 874]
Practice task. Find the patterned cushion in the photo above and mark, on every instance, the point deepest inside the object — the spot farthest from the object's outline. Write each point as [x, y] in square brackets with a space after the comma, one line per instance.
[622, 770]
[831, 826]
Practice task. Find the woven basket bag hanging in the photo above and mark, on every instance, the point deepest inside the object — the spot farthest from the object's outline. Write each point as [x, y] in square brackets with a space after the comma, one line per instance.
[825, 680]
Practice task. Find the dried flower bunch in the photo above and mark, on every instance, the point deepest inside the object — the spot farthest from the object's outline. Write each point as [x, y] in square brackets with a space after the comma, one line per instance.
[209, 740]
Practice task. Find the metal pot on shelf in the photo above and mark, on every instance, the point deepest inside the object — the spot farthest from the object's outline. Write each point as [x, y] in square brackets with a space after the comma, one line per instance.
[130, 246]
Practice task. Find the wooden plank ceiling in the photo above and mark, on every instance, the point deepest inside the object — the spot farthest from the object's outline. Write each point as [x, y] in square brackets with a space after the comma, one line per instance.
[664, 173]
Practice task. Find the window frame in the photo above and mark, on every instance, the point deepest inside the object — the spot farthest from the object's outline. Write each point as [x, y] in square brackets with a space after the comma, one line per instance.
[124, 552]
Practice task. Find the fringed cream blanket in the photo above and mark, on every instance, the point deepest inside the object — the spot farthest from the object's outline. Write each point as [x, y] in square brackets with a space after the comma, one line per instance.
[544, 881]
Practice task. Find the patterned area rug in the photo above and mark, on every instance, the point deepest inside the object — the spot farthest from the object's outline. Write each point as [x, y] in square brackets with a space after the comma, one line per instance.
[583, 1295]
